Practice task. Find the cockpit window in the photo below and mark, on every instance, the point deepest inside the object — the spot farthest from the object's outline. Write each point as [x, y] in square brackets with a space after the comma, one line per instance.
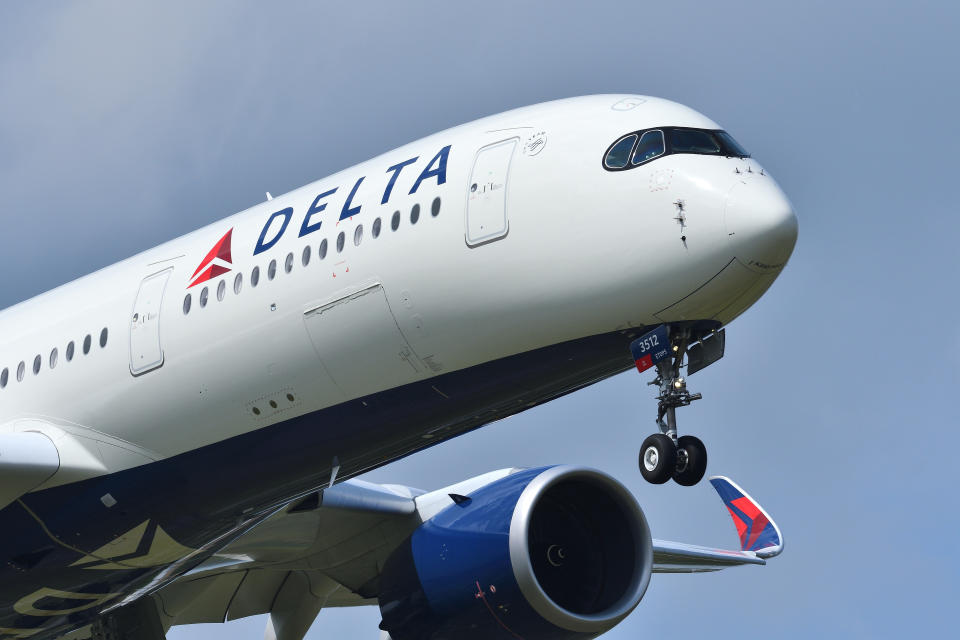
[619, 154]
[641, 147]
[694, 141]
[651, 145]
[732, 145]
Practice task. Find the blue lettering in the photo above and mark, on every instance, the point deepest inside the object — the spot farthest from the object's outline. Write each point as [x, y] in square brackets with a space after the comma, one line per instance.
[440, 172]
[397, 168]
[314, 209]
[347, 211]
[261, 246]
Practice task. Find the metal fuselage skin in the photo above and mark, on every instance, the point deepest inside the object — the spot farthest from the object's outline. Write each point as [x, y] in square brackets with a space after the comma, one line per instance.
[370, 353]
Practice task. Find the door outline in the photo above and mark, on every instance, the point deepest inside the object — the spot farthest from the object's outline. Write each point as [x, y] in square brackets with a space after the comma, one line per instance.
[382, 326]
[145, 317]
[482, 239]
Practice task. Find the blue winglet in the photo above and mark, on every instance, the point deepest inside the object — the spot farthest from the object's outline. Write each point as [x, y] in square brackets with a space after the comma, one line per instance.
[758, 532]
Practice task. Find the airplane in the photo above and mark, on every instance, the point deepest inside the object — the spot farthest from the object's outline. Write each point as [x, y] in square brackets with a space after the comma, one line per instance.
[210, 402]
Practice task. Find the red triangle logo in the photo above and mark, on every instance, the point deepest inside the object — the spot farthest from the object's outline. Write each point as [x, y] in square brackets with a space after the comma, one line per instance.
[208, 269]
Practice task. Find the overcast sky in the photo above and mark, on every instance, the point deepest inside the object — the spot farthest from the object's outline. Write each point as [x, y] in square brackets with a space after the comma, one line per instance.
[123, 125]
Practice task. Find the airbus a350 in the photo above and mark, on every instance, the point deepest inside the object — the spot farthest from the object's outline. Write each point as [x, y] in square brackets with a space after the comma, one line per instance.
[180, 433]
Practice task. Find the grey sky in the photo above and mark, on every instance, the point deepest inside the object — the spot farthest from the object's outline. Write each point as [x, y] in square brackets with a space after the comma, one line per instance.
[122, 126]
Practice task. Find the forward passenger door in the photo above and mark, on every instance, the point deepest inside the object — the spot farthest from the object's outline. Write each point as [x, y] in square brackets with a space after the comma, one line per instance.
[487, 206]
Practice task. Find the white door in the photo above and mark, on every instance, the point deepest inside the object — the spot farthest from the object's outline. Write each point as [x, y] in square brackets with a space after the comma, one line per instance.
[487, 196]
[146, 352]
[359, 342]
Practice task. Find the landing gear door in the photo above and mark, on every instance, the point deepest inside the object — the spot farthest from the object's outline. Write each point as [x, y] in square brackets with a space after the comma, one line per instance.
[487, 196]
[146, 351]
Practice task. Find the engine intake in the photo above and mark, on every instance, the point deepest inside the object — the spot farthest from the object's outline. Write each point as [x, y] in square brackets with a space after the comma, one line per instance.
[560, 552]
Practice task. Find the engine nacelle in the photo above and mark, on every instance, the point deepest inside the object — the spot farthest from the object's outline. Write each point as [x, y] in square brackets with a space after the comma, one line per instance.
[556, 552]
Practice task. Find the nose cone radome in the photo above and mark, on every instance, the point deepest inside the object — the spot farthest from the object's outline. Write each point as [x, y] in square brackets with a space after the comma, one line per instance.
[761, 223]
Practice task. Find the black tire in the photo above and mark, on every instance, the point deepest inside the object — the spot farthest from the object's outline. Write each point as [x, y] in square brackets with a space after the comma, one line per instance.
[658, 458]
[692, 472]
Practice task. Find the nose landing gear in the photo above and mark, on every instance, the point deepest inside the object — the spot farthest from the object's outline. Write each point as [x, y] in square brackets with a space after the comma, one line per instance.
[664, 455]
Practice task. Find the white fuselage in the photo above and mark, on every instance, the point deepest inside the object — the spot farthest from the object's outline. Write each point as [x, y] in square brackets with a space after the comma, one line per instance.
[584, 251]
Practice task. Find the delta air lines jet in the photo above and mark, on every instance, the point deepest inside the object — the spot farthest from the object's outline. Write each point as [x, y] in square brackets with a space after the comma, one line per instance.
[180, 432]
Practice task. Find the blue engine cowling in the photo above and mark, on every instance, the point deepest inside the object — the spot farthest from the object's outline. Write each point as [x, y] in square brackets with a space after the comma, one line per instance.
[556, 552]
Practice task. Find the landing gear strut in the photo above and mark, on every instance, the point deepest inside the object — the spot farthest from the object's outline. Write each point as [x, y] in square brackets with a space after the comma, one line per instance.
[664, 455]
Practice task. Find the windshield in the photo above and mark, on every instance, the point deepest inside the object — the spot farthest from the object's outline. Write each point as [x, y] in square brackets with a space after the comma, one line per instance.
[640, 147]
[732, 145]
[619, 153]
[651, 145]
[694, 141]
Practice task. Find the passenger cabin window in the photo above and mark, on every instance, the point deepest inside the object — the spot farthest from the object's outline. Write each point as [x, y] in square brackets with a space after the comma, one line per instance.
[322, 249]
[52, 360]
[221, 290]
[619, 153]
[651, 146]
[255, 277]
[272, 270]
[376, 228]
[187, 301]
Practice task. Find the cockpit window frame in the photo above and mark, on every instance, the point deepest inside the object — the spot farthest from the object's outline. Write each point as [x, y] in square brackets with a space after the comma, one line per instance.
[636, 147]
[725, 148]
[626, 165]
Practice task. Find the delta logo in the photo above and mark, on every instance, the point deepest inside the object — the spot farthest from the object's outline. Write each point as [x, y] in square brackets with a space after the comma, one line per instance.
[218, 262]
[753, 527]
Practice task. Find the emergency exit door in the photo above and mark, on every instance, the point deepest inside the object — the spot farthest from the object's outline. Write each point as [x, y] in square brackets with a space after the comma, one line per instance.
[146, 351]
[487, 198]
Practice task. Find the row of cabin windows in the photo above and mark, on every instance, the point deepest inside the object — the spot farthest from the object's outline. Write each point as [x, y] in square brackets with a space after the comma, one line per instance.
[53, 359]
[305, 256]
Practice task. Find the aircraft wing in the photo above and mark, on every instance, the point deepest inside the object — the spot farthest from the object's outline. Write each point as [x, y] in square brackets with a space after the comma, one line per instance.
[324, 550]
[328, 548]
[760, 537]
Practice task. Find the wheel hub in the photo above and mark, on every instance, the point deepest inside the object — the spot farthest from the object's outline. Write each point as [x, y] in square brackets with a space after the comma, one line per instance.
[651, 458]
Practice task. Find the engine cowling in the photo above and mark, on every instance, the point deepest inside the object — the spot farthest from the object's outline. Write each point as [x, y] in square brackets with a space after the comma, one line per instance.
[557, 552]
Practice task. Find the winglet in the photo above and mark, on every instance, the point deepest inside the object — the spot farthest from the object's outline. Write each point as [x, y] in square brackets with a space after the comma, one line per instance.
[758, 532]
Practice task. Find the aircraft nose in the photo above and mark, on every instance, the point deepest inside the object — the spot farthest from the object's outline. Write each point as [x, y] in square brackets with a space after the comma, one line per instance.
[761, 223]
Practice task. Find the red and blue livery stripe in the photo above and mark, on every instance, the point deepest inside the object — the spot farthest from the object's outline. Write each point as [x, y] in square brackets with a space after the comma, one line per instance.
[757, 531]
